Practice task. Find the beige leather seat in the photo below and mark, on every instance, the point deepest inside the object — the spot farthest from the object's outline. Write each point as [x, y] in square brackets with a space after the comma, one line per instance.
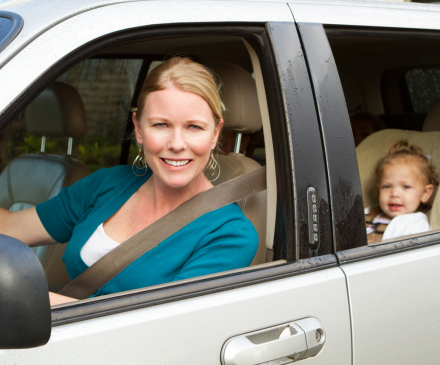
[34, 178]
[432, 120]
[376, 146]
[242, 115]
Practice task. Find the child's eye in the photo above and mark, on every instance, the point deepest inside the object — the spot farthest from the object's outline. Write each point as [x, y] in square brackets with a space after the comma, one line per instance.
[406, 186]
[386, 186]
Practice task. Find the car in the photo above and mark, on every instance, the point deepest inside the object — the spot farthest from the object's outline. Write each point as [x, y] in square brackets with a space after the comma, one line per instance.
[317, 290]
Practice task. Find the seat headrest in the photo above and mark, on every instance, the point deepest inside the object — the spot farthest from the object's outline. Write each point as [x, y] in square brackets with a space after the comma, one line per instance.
[57, 112]
[376, 146]
[239, 94]
[432, 120]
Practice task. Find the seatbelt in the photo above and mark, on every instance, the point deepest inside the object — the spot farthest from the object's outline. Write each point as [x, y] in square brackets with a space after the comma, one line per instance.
[107, 267]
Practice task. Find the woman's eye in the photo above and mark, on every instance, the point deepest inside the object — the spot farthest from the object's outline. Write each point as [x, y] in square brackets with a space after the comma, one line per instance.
[160, 125]
[194, 127]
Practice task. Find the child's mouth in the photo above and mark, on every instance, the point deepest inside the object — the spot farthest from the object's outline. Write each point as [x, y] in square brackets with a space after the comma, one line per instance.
[395, 207]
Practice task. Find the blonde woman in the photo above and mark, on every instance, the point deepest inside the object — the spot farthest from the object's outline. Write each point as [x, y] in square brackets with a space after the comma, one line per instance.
[177, 123]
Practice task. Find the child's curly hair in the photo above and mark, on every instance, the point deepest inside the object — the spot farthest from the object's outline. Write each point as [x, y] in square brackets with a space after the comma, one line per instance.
[408, 152]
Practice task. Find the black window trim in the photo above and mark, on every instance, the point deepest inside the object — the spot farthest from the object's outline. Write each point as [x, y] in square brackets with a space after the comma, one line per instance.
[345, 187]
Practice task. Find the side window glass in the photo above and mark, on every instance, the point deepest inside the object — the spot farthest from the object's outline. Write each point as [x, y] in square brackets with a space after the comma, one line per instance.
[390, 88]
[106, 87]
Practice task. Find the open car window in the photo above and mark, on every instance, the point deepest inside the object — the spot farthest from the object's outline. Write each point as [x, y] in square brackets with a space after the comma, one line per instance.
[391, 84]
[108, 85]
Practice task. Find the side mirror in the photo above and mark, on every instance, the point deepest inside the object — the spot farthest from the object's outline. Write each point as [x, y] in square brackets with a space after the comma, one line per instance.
[25, 317]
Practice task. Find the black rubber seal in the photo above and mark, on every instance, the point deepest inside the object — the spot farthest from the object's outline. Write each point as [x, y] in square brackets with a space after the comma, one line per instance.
[374, 251]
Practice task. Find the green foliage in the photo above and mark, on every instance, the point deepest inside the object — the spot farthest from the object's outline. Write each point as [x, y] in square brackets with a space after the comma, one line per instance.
[94, 154]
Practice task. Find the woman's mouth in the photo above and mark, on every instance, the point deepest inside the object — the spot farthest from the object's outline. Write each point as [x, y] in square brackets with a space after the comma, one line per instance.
[176, 163]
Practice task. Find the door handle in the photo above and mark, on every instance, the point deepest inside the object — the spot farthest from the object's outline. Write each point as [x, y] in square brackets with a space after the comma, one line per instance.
[282, 344]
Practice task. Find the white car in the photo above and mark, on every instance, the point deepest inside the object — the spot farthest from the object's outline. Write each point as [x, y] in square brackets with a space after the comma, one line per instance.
[317, 291]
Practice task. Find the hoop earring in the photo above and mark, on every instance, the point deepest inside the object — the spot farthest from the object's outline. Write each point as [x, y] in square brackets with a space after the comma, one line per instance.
[212, 165]
[139, 163]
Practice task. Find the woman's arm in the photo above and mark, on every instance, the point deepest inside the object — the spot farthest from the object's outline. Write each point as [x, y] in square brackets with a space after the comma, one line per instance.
[24, 225]
[56, 299]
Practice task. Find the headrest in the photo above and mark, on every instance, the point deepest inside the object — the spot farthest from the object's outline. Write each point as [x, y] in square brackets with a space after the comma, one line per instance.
[376, 146]
[432, 120]
[239, 94]
[57, 112]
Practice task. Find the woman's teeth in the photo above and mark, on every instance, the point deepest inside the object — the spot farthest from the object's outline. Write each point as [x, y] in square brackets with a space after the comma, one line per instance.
[176, 163]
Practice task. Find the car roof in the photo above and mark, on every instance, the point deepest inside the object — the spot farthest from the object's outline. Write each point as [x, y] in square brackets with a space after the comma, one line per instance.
[52, 15]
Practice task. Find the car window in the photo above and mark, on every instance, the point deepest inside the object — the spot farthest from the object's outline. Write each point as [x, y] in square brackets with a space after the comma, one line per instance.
[108, 85]
[391, 81]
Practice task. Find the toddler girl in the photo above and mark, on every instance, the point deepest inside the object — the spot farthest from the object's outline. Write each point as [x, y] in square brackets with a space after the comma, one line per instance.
[404, 181]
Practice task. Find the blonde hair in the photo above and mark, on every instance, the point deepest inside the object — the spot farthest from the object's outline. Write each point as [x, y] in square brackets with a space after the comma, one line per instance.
[186, 75]
[408, 153]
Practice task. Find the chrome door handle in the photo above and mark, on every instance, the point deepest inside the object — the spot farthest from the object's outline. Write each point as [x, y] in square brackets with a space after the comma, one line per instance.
[277, 345]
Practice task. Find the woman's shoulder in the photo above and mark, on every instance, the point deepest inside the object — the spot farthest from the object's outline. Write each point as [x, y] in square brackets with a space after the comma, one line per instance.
[228, 217]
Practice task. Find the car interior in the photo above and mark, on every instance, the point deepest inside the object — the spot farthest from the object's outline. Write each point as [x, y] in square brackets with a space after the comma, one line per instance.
[82, 122]
[392, 78]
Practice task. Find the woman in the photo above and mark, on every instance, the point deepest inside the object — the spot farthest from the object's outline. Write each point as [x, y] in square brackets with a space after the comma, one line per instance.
[177, 123]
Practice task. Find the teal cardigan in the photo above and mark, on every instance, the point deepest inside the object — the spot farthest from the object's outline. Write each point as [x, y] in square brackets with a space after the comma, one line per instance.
[220, 240]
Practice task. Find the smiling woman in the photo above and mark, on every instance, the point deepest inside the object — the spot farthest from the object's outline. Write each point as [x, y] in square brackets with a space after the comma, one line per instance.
[178, 122]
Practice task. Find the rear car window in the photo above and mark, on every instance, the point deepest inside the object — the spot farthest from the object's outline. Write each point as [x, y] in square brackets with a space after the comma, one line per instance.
[423, 87]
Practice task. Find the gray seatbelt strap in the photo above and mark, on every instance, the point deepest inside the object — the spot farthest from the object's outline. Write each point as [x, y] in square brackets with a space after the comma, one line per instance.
[106, 268]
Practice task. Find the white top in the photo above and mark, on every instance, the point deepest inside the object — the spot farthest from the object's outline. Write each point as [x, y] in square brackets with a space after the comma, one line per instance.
[98, 245]
[405, 224]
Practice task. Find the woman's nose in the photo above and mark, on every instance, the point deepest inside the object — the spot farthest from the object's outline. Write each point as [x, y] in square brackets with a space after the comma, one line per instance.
[177, 142]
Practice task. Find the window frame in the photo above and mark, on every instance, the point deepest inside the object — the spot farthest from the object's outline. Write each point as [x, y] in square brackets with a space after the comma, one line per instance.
[262, 38]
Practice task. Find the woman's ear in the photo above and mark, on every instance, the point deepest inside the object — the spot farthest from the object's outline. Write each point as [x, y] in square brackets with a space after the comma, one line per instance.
[217, 133]
[137, 129]
[429, 189]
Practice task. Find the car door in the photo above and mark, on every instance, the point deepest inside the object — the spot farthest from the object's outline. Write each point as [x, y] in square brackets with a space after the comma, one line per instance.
[190, 322]
[391, 285]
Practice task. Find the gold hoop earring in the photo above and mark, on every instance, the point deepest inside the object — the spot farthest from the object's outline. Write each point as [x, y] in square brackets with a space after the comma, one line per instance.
[212, 165]
[139, 163]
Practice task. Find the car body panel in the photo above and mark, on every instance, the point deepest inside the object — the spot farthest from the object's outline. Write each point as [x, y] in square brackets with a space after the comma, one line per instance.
[193, 331]
[41, 54]
[394, 306]
[367, 13]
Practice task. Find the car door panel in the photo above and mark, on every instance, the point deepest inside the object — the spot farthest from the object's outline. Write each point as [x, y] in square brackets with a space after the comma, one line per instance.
[390, 299]
[193, 331]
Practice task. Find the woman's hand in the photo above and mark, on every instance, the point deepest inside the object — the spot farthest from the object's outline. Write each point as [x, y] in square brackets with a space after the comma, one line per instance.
[56, 299]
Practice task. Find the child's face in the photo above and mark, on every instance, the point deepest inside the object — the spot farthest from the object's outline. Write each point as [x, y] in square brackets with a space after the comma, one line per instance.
[402, 189]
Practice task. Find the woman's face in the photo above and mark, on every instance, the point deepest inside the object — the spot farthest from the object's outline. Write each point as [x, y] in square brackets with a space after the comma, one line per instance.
[178, 133]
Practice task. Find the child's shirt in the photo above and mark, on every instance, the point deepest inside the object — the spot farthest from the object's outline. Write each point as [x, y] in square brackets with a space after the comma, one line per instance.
[381, 227]
[406, 224]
